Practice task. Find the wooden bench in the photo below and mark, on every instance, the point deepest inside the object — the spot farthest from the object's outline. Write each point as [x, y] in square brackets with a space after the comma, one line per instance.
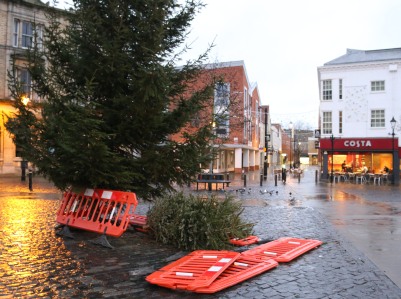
[212, 178]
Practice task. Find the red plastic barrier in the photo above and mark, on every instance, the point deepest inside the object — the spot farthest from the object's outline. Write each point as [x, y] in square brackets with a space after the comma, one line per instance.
[97, 210]
[139, 222]
[242, 269]
[196, 270]
[283, 249]
[246, 241]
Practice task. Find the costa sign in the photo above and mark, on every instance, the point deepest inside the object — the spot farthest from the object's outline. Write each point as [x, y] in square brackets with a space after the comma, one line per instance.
[357, 143]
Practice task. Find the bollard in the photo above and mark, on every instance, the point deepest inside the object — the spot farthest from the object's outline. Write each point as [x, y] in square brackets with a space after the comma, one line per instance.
[30, 180]
[316, 176]
[275, 180]
[299, 177]
[24, 165]
[261, 179]
[244, 180]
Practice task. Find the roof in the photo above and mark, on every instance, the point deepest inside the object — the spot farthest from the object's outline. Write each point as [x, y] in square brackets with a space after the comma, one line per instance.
[357, 56]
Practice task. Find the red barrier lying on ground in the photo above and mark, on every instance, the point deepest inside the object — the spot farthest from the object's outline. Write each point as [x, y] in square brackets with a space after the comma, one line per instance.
[283, 249]
[139, 222]
[196, 270]
[206, 271]
[102, 211]
[246, 241]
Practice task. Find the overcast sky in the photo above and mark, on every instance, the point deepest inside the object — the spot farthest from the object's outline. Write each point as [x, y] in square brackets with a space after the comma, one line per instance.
[283, 42]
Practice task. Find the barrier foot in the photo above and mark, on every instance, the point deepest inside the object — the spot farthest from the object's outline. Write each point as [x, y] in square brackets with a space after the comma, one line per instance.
[102, 240]
[65, 231]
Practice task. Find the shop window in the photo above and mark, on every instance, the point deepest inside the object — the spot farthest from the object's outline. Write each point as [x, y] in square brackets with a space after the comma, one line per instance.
[326, 90]
[377, 86]
[377, 119]
[327, 123]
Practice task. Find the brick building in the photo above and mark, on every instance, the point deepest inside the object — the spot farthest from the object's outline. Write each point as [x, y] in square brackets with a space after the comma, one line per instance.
[241, 136]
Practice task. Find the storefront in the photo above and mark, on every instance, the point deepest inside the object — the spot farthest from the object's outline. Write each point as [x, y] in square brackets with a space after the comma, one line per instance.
[373, 155]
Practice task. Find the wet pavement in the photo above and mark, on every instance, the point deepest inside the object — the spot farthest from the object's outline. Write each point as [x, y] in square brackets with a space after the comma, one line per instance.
[348, 218]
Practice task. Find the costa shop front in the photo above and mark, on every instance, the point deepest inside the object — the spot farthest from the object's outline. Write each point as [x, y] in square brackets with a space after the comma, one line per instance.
[358, 154]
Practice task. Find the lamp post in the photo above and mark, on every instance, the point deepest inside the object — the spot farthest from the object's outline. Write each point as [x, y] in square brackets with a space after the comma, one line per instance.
[291, 137]
[24, 164]
[332, 157]
[393, 122]
[265, 164]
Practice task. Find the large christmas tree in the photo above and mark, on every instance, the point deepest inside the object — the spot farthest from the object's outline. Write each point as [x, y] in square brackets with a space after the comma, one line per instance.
[112, 95]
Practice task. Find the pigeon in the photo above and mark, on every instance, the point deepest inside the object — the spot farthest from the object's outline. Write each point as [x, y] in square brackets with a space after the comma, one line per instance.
[263, 192]
[249, 191]
[276, 192]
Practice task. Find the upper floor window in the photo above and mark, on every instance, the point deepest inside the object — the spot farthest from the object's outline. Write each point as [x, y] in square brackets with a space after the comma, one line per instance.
[221, 108]
[26, 34]
[222, 94]
[340, 89]
[377, 119]
[377, 85]
[326, 90]
[340, 122]
[327, 123]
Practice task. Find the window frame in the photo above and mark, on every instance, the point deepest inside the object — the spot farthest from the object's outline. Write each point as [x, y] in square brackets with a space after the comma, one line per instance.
[221, 103]
[327, 122]
[327, 90]
[377, 121]
[27, 34]
[378, 86]
[16, 32]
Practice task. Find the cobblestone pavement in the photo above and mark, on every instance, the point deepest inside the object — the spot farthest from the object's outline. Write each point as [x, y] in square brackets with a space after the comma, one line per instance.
[36, 263]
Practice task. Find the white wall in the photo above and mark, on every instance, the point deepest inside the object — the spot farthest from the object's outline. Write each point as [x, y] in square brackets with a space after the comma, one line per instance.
[358, 100]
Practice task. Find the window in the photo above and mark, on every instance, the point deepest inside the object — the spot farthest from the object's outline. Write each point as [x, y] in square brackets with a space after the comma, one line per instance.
[247, 115]
[25, 81]
[27, 34]
[340, 89]
[377, 119]
[38, 36]
[16, 32]
[222, 94]
[221, 112]
[327, 123]
[377, 86]
[340, 122]
[327, 92]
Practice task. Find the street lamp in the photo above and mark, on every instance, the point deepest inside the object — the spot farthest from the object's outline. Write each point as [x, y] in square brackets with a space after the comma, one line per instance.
[393, 122]
[292, 136]
[24, 164]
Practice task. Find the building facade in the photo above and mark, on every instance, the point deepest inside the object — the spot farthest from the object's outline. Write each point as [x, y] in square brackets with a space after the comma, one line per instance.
[248, 129]
[22, 25]
[360, 111]
[245, 132]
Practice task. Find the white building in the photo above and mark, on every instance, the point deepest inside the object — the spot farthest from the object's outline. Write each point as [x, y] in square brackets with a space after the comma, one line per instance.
[360, 92]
